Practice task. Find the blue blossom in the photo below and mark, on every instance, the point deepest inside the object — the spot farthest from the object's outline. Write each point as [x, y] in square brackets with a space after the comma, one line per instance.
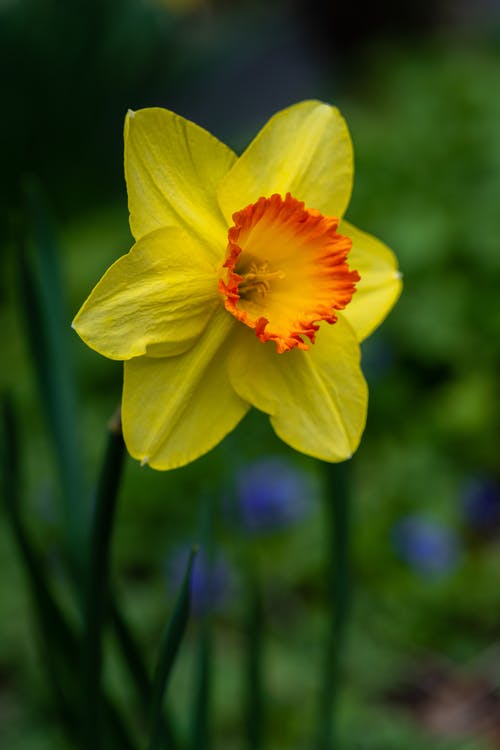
[427, 546]
[481, 503]
[271, 494]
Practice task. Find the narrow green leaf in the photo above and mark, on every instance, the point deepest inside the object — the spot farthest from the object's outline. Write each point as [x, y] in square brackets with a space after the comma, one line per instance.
[203, 688]
[47, 327]
[134, 662]
[60, 642]
[97, 590]
[9, 455]
[338, 591]
[170, 647]
[11, 481]
[201, 736]
[254, 699]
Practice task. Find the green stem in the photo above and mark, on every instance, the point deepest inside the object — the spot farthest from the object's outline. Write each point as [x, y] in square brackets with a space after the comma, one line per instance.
[170, 647]
[202, 702]
[254, 706]
[45, 317]
[201, 730]
[97, 593]
[60, 641]
[143, 685]
[337, 511]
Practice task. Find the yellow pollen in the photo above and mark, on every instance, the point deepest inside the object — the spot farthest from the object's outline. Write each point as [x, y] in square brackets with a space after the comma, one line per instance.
[285, 271]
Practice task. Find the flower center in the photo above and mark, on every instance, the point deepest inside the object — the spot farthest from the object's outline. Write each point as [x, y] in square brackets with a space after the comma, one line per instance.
[286, 270]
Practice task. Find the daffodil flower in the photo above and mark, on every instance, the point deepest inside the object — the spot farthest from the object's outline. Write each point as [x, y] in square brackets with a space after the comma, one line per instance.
[245, 287]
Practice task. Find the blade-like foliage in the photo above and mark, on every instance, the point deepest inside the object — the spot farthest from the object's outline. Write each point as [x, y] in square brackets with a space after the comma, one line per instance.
[172, 640]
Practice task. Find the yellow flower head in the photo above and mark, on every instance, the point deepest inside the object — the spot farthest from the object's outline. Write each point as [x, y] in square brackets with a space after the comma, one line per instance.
[245, 287]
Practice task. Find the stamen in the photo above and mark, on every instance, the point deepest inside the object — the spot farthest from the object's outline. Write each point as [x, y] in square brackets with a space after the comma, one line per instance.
[258, 279]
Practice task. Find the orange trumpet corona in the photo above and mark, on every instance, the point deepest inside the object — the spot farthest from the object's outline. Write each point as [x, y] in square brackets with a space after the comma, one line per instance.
[286, 270]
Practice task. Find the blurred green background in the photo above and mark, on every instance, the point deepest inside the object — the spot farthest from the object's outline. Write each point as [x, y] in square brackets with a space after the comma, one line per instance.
[419, 87]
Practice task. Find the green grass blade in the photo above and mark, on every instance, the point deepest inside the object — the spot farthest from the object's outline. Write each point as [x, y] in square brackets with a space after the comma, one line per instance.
[48, 332]
[203, 693]
[60, 642]
[170, 647]
[337, 511]
[200, 727]
[132, 656]
[254, 698]
[11, 481]
[97, 590]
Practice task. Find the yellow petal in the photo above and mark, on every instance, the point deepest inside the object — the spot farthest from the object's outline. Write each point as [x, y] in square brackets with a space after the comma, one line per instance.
[380, 284]
[305, 150]
[176, 409]
[316, 399]
[173, 168]
[155, 300]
